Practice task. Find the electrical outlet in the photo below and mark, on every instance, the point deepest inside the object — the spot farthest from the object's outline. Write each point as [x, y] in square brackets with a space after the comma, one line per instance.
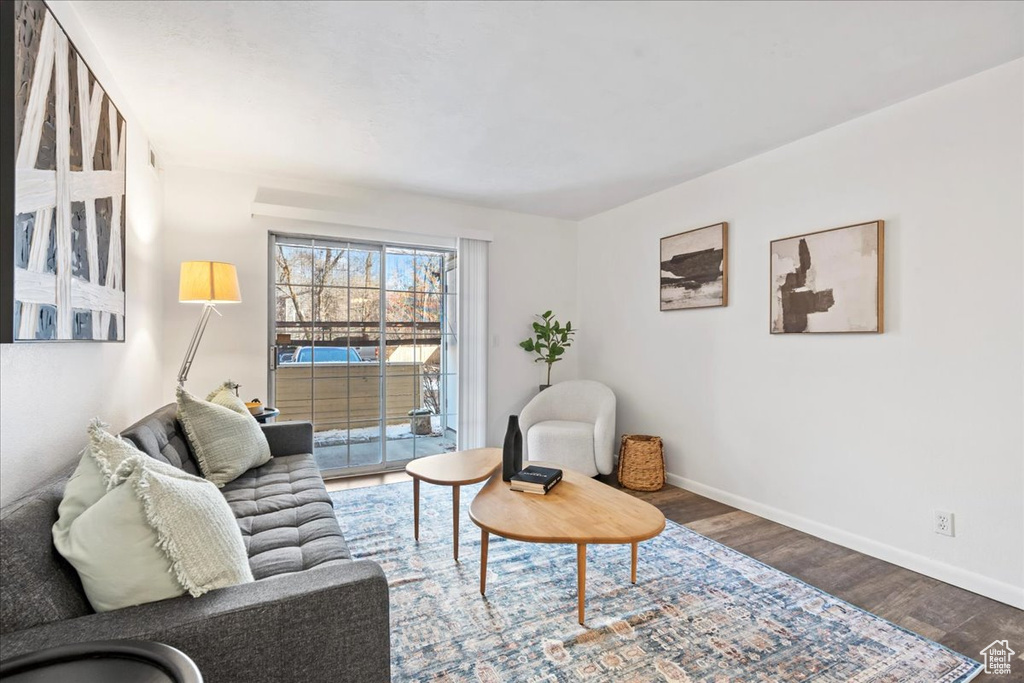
[944, 523]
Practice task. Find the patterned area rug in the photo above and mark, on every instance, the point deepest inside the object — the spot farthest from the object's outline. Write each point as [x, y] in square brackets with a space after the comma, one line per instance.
[700, 612]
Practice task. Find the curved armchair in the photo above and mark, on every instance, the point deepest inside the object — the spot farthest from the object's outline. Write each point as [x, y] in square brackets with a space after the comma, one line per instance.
[573, 424]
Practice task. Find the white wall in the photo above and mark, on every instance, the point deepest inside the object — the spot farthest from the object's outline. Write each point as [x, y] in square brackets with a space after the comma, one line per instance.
[207, 215]
[49, 391]
[856, 438]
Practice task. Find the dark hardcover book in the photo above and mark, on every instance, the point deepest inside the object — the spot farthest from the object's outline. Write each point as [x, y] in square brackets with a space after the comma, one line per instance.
[538, 476]
[529, 488]
[539, 480]
[525, 486]
[538, 492]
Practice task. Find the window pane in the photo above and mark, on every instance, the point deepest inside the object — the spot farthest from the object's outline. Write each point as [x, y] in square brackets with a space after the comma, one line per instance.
[442, 437]
[428, 309]
[451, 268]
[293, 305]
[364, 443]
[364, 306]
[330, 266]
[401, 307]
[331, 304]
[330, 450]
[451, 314]
[364, 268]
[294, 265]
[330, 359]
[403, 395]
[401, 266]
[449, 355]
[429, 273]
[365, 339]
[294, 393]
[402, 359]
[450, 396]
[431, 389]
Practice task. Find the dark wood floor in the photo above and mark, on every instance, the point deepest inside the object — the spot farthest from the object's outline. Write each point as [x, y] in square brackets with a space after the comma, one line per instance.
[960, 620]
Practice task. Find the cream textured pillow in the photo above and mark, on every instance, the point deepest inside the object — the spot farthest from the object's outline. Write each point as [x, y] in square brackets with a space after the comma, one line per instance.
[100, 458]
[225, 443]
[224, 395]
[156, 534]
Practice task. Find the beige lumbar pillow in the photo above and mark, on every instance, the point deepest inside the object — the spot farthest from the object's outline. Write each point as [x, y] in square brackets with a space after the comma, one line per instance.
[224, 395]
[157, 533]
[226, 443]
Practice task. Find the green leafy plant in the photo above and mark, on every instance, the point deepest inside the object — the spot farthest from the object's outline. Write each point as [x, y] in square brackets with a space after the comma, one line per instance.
[550, 340]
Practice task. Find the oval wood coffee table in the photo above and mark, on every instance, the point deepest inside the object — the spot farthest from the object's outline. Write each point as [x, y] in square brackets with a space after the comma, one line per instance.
[455, 470]
[578, 510]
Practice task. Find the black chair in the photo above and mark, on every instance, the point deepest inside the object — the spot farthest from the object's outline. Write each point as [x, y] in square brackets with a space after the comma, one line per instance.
[124, 661]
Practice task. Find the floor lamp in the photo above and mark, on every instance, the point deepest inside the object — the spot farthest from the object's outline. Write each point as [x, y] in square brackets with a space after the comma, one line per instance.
[208, 283]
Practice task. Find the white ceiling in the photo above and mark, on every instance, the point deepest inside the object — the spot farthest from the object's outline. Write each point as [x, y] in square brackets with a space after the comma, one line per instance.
[556, 108]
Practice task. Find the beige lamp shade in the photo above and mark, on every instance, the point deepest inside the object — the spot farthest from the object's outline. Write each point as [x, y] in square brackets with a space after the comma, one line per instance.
[208, 282]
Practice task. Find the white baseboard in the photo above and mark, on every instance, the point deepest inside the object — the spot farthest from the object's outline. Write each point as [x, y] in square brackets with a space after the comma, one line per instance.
[972, 581]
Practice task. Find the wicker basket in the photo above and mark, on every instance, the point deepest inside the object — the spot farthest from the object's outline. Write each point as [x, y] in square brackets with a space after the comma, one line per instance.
[641, 462]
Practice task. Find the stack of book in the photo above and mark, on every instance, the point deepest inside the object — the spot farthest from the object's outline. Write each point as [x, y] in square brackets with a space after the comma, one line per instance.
[536, 479]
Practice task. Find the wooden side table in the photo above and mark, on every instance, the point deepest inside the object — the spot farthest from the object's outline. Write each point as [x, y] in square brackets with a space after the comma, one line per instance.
[455, 470]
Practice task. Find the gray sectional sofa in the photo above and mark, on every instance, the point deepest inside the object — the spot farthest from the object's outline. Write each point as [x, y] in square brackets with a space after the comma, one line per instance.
[313, 613]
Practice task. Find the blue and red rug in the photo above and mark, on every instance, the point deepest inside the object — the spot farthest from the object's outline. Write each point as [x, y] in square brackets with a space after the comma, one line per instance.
[699, 613]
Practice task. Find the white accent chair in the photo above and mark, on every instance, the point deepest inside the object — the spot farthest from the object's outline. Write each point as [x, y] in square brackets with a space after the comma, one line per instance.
[572, 424]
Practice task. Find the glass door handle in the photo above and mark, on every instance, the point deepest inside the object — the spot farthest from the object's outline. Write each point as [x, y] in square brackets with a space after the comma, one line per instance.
[273, 358]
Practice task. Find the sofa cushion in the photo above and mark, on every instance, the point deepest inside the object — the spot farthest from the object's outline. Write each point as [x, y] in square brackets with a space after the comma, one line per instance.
[286, 517]
[159, 436]
[37, 585]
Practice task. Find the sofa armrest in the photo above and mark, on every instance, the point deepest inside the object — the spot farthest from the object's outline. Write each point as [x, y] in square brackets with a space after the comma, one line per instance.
[289, 438]
[329, 623]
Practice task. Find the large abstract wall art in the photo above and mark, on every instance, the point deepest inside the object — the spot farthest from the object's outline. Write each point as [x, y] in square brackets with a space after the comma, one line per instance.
[62, 190]
[695, 268]
[828, 281]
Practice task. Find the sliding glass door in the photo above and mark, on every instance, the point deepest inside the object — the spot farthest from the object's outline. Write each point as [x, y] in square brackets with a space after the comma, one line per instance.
[363, 344]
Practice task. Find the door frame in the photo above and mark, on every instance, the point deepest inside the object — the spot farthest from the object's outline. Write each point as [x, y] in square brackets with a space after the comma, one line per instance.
[272, 239]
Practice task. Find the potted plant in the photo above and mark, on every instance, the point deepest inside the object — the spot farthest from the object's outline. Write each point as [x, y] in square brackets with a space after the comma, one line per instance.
[549, 342]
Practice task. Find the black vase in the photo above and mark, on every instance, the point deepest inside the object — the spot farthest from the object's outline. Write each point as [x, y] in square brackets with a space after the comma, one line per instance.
[512, 452]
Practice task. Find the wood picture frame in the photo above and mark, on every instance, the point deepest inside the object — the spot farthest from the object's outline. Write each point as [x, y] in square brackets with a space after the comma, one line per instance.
[829, 281]
[62, 188]
[695, 268]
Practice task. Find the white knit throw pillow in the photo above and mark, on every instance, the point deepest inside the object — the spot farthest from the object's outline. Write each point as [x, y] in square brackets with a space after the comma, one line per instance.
[156, 533]
[99, 460]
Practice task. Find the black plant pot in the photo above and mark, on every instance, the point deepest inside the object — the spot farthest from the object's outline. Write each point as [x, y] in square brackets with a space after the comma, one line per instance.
[512, 452]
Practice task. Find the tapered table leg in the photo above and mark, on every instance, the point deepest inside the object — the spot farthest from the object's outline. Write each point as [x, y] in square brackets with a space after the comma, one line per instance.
[416, 508]
[633, 573]
[581, 576]
[455, 521]
[484, 537]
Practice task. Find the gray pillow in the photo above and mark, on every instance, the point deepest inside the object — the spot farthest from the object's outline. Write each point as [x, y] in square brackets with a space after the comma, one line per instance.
[226, 443]
[157, 533]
